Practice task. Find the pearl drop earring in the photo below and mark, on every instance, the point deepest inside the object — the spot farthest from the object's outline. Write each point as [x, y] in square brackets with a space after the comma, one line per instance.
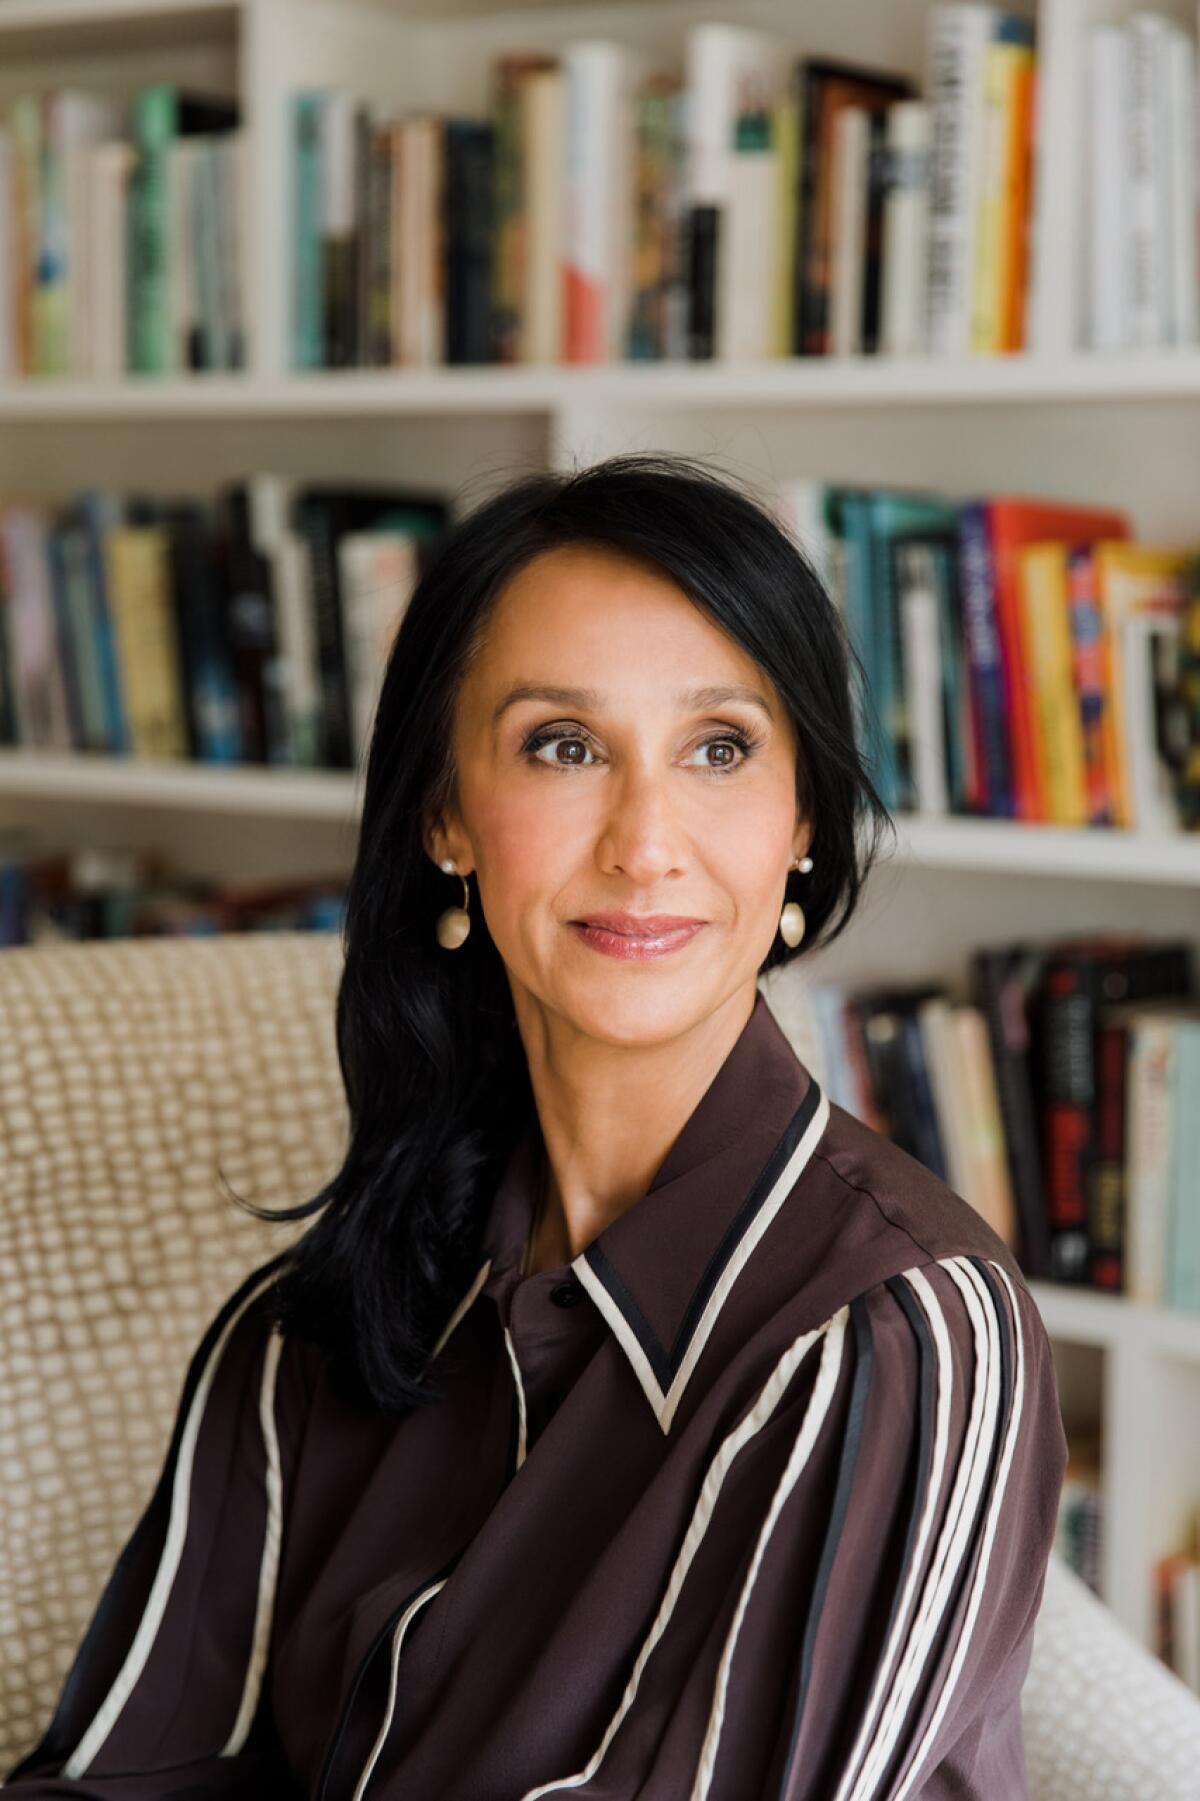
[792, 923]
[455, 922]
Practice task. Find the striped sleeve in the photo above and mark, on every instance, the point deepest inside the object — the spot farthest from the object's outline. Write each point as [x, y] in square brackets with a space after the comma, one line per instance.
[166, 1695]
[895, 1584]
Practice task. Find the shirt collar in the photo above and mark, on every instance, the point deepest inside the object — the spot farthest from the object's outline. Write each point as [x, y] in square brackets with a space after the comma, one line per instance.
[661, 1273]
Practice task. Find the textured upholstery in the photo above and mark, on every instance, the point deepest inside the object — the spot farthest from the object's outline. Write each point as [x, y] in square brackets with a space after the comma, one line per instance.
[134, 1076]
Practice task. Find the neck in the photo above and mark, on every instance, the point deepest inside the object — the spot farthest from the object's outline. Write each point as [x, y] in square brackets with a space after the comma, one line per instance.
[608, 1117]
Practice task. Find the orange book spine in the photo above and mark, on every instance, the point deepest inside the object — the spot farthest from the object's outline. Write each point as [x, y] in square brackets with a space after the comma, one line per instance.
[1016, 522]
[1020, 186]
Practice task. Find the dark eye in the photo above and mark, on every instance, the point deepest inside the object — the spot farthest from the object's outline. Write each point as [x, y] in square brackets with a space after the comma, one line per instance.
[740, 741]
[541, 739]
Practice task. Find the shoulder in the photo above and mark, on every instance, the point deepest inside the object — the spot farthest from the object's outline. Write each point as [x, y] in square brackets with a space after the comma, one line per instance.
[884, 1211]
[927, 1304]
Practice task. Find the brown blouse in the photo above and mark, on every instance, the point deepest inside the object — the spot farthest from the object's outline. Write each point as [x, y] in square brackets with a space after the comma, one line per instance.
[753, 1498]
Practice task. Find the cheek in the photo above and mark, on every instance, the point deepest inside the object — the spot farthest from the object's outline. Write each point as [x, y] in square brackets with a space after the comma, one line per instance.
[521, 841]
[753, 848]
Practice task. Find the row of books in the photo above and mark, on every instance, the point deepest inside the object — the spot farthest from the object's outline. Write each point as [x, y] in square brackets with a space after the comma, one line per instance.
[1060, 1097]
[1025, 658]
[251, 628]
[112, 891]
[608, 209]
[1139, 215]
[124, 233]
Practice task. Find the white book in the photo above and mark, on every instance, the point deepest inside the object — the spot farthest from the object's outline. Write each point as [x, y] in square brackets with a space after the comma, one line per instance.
[183, 299]
[1182, 184]
[80, 235]
[224, 177]
[337, 163]
[297, 677]
[723, 66]
[244, 234]
[747, 257]
[1149, 139]
[1106, 218]
[958, 36]
[600, 76]
[544, 98]
[906, 229]
[727, 70]
[1148, 1131]
[378, 572]
[110, 167]
[77, 120]
[921, 638]
[848, 237]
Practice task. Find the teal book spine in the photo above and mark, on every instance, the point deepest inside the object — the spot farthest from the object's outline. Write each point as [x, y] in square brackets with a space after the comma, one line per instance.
[860, 608]
[1183, 1226]
[891, 516]
[306, 310]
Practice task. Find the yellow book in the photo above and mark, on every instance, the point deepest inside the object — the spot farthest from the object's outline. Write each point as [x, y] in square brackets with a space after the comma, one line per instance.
[137, 570]
[1003, 68]
[1131, 580]
[1042, 586]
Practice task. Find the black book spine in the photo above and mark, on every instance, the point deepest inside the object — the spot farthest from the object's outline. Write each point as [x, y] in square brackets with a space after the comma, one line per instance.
[470, 206]
[877, 172]
[703, 224]
[1001, 993]
[314, 521]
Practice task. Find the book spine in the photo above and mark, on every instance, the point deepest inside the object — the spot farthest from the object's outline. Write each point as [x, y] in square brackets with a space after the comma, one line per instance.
[956, 46]
[1068, 1075]
[1183, 1250]
[155, 123]
[876, 190]
[1149, 300]
[1106, 1210]
[1002, 998]
[306, 333]
[984, 659]
[906, 228]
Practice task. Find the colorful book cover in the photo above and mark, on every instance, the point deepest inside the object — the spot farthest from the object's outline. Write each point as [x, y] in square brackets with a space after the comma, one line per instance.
[1012, 522]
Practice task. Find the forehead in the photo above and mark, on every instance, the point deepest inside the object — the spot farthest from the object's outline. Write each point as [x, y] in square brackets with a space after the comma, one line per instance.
[588, 613]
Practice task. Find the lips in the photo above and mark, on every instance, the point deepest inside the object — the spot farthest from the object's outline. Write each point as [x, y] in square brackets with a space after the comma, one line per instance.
[647, 942]
[638, 925]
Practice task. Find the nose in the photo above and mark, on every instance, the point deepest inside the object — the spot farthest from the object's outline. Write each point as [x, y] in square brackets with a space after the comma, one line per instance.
[643, 836]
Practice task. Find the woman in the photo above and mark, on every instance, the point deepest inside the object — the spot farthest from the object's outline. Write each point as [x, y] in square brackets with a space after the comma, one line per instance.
[631, 1421]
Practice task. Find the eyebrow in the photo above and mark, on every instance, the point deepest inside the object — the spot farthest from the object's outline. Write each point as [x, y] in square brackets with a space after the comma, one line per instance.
[591, 698]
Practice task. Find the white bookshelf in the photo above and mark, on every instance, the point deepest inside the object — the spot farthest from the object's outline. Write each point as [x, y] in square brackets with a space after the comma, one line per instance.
[1056, 420]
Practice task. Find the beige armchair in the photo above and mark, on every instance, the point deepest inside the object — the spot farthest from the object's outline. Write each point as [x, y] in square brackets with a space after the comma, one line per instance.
[134, 1075]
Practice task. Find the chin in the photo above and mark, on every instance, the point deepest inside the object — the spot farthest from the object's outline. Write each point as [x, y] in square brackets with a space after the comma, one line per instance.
[620, 1012]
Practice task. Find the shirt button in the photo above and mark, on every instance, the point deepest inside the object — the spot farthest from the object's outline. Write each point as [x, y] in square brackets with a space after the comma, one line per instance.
[565, 1294]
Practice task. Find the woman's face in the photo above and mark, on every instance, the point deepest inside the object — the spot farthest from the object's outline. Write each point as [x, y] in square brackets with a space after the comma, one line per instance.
[634, 792]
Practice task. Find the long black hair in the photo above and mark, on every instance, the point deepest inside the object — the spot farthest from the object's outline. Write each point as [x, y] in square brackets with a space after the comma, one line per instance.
[431, 1057]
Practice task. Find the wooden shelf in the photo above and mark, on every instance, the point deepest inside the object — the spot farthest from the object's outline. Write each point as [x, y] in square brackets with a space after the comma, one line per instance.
[1021, 379]
[35, 28]
[233, 790]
